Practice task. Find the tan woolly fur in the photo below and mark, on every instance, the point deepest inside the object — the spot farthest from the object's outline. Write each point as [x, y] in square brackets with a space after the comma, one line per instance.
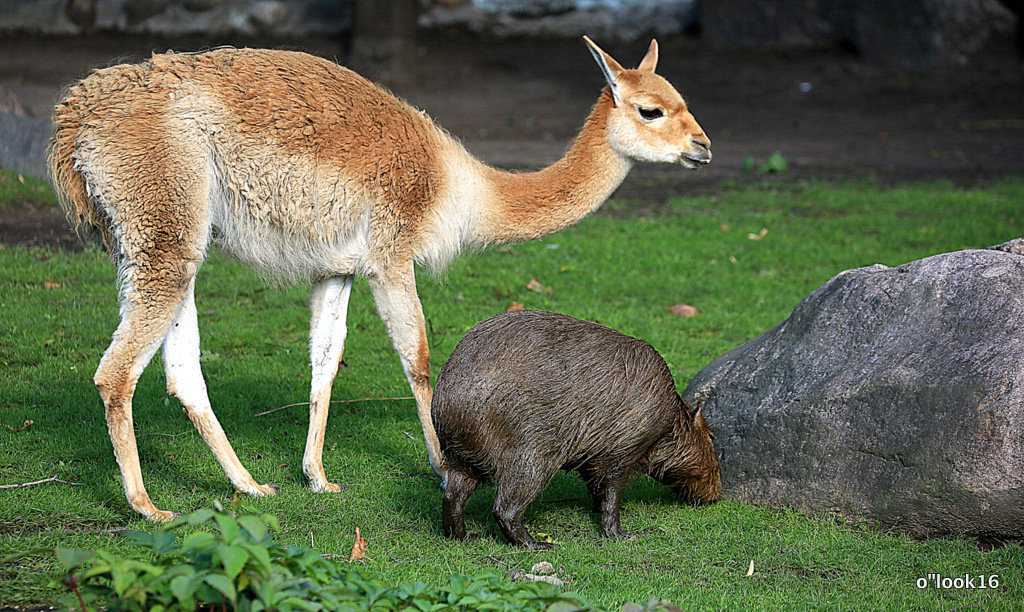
[309, 173]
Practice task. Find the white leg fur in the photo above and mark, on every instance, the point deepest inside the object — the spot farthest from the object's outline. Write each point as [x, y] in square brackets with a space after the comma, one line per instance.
[327, 331]
[185, 382]
[400, 309]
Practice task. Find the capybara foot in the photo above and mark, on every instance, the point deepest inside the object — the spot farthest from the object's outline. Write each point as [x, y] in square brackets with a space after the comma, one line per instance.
[618, 532]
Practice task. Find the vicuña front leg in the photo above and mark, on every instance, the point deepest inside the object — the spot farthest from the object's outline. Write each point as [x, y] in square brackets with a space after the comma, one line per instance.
[185, 382]
[329, 306]
[399, 308]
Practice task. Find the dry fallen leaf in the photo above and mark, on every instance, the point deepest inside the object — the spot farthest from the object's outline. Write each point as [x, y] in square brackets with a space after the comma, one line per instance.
[534, 285]
[684, 310]
[51, 285]
[24, 426]
[750, 570]
[358, 548]
[761, 234]
[514, 307]
[521, 576]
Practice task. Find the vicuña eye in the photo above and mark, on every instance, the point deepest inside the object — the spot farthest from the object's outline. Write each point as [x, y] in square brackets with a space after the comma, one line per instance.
[650, 114]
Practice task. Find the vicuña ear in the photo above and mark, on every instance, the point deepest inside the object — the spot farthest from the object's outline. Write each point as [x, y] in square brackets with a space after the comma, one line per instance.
[609, 67]
[650, 61]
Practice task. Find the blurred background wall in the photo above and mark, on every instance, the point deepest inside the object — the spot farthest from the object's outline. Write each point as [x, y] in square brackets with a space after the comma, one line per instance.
[901, 33]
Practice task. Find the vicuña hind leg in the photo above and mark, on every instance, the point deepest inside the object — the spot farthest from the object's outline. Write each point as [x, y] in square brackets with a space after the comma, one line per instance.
[185, 382]
[329, 306]
[399, 307]
[146, 315]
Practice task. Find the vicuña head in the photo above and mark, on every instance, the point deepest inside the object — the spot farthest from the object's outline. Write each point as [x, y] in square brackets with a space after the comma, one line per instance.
[650, 121]
[307, 171]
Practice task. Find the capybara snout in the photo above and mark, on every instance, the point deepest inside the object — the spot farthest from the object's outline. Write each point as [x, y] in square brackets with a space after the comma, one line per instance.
[688, 465]
[528, 393]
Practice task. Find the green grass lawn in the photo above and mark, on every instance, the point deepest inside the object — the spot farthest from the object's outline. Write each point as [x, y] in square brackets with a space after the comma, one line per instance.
[617, 268]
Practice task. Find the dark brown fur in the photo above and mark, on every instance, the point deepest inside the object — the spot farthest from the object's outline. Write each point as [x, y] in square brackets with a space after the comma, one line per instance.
[527, 393]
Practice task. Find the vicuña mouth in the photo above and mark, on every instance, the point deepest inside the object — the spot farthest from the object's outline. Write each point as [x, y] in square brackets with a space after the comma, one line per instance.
[691, 162]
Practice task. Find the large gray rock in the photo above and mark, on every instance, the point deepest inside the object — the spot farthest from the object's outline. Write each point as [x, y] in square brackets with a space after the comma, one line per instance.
[890, 395]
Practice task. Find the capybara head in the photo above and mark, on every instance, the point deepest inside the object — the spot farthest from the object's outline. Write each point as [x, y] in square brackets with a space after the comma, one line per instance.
[685, 460]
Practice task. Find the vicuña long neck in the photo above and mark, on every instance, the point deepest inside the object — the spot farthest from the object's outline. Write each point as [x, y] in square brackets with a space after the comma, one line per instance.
[528, 205]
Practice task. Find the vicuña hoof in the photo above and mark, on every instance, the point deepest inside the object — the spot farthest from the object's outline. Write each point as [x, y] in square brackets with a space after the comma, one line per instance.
[326, 487]
[263, 490]
[162, 516]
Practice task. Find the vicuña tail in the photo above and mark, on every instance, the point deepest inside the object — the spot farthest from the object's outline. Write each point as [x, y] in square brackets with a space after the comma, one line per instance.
[68, 182]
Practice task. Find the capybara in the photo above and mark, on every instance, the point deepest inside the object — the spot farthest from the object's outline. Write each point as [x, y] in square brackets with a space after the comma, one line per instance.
[527, 393]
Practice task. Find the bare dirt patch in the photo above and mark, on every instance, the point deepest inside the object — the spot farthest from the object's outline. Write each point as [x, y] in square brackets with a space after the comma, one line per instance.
[34, 225]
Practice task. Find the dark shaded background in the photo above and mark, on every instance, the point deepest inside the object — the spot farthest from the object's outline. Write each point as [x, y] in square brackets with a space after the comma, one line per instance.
[831, 109]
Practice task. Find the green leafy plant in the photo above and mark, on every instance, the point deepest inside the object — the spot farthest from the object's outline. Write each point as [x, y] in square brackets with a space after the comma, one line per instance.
[775, 163]
[235, 564]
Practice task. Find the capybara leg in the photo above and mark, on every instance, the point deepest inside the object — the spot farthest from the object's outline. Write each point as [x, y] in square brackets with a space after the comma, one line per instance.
[509, 503]
[327, 331]
[611, 497]
[594, 487]
[596, 497]
[457, 491]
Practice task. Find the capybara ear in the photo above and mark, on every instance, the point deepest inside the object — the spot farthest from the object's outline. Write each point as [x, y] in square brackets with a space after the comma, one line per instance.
[690, 412]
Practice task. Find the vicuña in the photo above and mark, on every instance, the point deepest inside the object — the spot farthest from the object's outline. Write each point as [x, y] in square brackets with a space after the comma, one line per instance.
[309, 172]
